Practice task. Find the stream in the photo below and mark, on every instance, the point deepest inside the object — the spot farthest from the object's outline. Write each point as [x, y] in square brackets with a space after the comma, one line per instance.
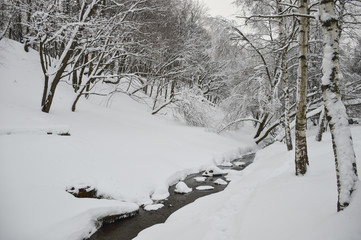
[128, 228]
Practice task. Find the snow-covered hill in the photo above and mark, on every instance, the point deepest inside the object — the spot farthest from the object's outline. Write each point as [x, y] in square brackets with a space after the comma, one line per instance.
[123, 151]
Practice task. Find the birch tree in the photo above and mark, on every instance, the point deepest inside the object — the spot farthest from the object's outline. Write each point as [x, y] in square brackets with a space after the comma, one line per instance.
[301, 157]
[345, 159]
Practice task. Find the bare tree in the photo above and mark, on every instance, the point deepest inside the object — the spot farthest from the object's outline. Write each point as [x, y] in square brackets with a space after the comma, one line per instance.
[54, 72]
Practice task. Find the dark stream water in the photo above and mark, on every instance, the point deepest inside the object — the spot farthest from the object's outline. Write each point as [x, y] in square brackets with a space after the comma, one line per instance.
[129, 228]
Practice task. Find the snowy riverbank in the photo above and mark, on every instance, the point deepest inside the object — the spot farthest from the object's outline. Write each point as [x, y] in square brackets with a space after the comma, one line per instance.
[123, 151]
[267, 201]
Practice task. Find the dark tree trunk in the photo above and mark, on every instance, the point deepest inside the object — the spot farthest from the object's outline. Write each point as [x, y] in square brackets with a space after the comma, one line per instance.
[262, 125]
[46, 105]
[73, 107]
[321, 126]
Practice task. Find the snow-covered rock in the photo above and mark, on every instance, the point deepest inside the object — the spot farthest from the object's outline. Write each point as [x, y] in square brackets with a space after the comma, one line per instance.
[239, 163]
[200, 179]
[220, 181]
[213, 171]
[201, 188]
[181, 187]
[226, 164]
[153, 207]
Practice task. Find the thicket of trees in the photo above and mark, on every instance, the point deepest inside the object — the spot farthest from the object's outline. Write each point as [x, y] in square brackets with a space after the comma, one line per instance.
[267, 71]
[163, 48]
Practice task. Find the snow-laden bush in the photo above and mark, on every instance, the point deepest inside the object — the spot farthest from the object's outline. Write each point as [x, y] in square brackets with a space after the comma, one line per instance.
[196, 110]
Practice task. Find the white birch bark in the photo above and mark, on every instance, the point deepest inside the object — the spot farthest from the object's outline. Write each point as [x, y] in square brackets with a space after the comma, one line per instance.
[288, 137]
[345, 159]
[301, 157]
[284, 73]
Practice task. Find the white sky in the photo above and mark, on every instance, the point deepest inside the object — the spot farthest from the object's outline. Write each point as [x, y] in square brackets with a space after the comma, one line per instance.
[223, 8]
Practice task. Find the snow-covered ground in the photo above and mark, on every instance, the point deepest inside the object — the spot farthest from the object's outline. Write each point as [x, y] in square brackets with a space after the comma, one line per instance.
[267, 201]
[130, 156]
[123, 151]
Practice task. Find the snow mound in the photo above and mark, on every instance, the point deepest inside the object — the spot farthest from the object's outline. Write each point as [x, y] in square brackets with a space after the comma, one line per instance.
[226, 164]
[181, 187]
[200, 179]
[238, 164]
[153, 207]
[220, 181]
[202, 188]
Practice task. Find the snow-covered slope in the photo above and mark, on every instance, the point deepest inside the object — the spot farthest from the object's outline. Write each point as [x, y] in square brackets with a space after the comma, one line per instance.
[267, 201]
[122, 151]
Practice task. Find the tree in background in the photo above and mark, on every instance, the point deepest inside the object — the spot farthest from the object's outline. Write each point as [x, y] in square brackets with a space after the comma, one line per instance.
[274, 45]
[301, 157]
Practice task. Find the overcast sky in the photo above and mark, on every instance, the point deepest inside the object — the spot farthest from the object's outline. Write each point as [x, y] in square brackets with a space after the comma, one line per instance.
[220, 7]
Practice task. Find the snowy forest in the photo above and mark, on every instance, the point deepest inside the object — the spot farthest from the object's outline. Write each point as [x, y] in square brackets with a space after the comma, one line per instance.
[102, 92]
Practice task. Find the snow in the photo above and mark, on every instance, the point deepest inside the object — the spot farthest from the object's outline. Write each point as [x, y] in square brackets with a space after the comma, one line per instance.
[181, 187]
[267, 201]
[220, 181]
[202, 188]
[131, 157]
[122, 151]
[153, 207]
[226, 164]
[327, 64]
[239, 163]
[200, 179]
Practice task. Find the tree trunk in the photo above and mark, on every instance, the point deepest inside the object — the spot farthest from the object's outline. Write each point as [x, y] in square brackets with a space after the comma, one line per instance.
[321, 126]
[73, 107]
[288, 136]
[172, 88]
[345, 159]
[301, 157]
[166, 91]
[156, 96]
[284, 75]
[75, 81]
[46, 77]
[261, 125]
[63, 63]
[151, 89]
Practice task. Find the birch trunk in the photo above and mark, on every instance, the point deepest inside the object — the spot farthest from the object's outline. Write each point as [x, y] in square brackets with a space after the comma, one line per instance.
[345, 159]
[301, 157]
[288, 136]
[284, 74]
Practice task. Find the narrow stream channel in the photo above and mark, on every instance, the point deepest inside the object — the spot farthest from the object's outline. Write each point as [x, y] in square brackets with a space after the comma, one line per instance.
[129, 228]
